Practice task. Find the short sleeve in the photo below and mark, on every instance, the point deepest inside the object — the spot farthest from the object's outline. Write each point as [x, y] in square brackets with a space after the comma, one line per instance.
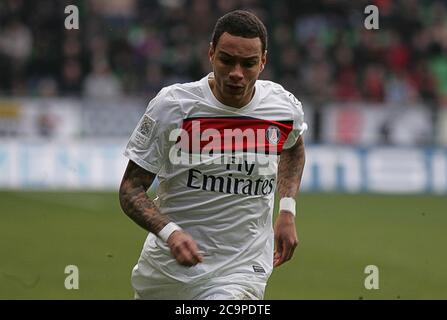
[299, 126]
[150, 142]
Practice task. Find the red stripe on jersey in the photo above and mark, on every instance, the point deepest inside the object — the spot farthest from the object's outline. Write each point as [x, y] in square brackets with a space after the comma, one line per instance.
[234, 134]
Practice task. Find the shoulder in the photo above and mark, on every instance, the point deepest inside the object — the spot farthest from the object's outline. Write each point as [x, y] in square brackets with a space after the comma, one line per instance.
[173, 102]
[182, 91]
[275, 93]
[165, 106]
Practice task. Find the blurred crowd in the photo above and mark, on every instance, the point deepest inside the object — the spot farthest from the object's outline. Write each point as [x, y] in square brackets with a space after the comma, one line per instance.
[318, 49]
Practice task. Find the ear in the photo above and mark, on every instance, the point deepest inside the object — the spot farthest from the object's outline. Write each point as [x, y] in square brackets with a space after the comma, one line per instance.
[263, 60]
[211, 52]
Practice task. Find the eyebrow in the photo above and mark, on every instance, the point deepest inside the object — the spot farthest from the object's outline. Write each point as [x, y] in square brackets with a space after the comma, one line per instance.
[231, 56]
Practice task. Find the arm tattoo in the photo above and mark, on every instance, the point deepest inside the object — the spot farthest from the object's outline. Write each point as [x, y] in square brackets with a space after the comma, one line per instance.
[290, 169]
[135, 202]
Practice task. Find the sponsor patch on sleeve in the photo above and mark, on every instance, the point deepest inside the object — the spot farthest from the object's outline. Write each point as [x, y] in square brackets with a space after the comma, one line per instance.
[144, 132]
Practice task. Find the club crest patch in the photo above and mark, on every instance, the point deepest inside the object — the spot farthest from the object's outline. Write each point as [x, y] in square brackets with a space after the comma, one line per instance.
[273, 134]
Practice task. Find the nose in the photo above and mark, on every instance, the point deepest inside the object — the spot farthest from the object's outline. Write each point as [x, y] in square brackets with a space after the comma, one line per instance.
[236, 73]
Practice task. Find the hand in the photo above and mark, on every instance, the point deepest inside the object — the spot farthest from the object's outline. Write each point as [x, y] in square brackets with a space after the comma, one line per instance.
[286, 239]
[184, 248]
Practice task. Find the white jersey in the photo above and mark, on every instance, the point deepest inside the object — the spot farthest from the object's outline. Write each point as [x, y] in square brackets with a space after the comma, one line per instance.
[226, 206]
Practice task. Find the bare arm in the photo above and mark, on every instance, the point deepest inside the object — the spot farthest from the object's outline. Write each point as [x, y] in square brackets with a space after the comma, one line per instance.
[137, 205]
[290, 171]
[135, 202]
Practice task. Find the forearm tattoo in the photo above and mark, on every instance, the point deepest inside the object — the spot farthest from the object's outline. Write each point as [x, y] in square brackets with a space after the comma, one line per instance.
[290, 169]
[135, 202]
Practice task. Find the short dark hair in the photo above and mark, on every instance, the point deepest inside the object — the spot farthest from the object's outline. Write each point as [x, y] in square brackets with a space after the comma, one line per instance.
[240, 23]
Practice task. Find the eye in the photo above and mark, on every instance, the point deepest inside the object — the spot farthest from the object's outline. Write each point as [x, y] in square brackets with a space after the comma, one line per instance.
[249, 64]
[226, 61]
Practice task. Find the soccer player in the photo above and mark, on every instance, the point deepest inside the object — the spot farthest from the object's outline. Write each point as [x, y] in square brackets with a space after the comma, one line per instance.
[220, 148]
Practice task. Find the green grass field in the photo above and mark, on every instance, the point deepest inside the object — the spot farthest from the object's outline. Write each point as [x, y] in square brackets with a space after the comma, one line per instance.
[404, 236]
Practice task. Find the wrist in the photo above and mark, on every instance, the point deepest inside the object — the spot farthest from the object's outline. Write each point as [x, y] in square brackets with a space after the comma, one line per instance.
[167, 230]
[287, 205]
